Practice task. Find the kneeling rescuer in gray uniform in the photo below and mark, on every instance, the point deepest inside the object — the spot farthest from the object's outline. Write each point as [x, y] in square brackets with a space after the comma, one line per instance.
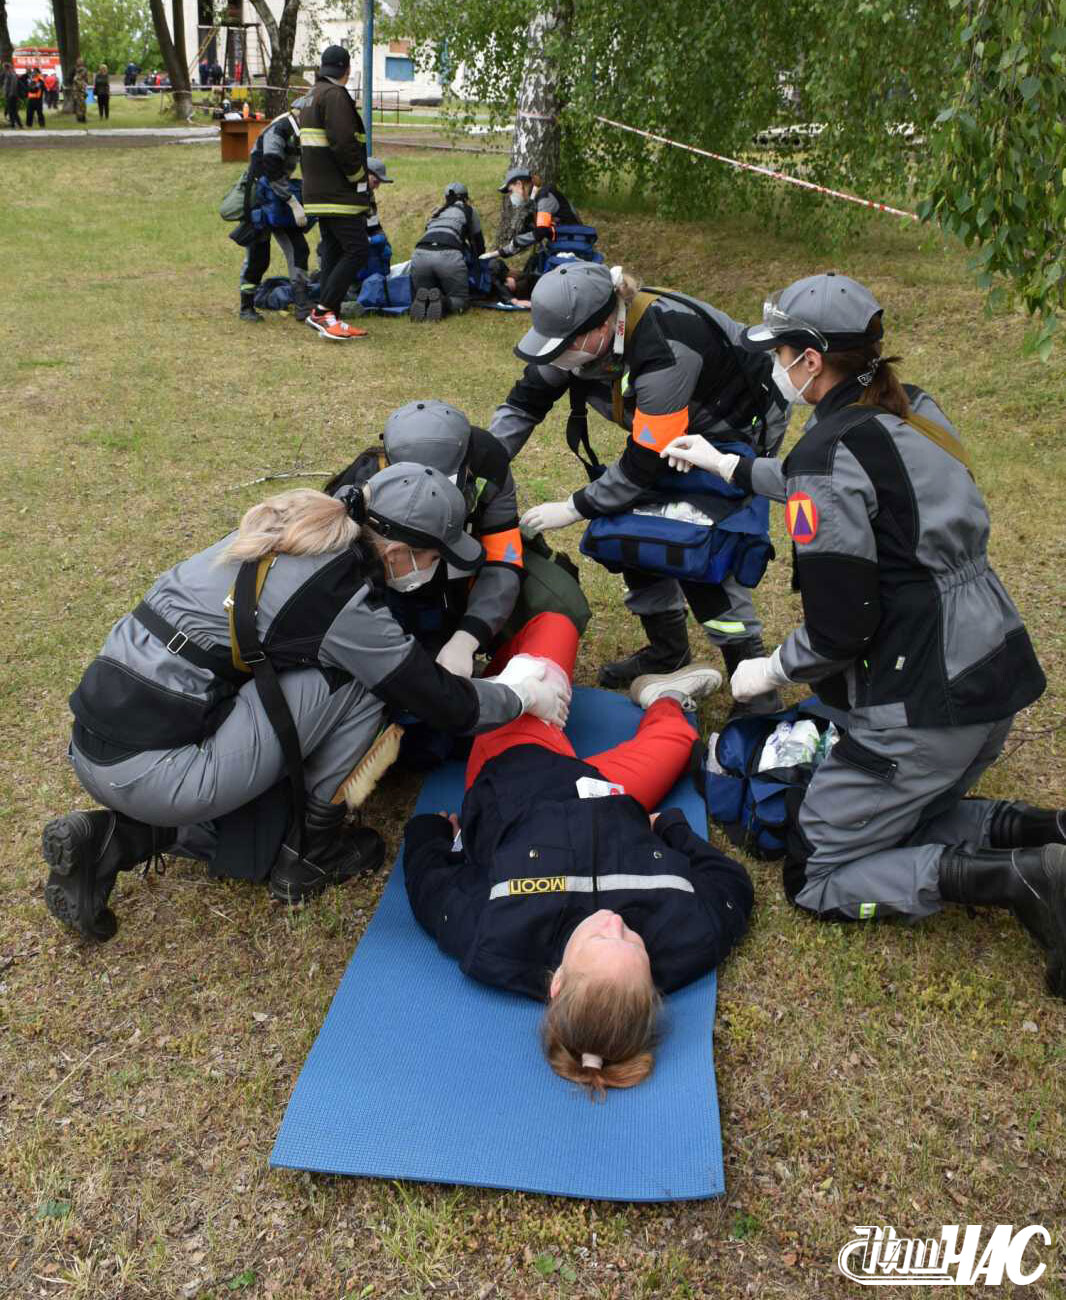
[906, 625]
[178, 729]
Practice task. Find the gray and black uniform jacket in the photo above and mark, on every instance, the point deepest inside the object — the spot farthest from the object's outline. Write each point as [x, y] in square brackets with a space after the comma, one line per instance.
[680, 373]
[905, 621]
[333, 153]
[483, 606]
[276, 154]
[165, 676]
[548, 209]
[457, 226]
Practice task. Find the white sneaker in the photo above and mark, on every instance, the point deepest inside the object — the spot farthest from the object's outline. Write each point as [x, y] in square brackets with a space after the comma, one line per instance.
[686, 683]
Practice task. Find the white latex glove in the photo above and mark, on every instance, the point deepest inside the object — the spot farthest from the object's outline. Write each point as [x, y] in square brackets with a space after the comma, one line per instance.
[484, 257]
[457, 654]
[690, 449]
[757, 676]
[298, 213]
[549, 515]
[541, 686]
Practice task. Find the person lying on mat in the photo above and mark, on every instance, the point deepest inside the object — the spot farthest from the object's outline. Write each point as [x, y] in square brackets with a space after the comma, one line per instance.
[544, 888]
[228, 716]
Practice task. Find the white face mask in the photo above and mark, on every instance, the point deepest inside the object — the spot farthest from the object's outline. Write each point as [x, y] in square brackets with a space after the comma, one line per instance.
[516, 198]
[573, 358]
[413, 580]
[786, 387]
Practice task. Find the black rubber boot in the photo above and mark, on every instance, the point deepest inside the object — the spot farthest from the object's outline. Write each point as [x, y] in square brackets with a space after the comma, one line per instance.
[301, 300]
[85, 851]
[1017, 825]
[734, 653]
[434, 305]
[248, 311]
[332, 853]
[666, 651]
[419, 303]
[1031, 883]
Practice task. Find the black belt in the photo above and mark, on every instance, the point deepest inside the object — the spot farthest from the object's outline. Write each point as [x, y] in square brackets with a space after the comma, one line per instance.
[437, 243]
[215, 661]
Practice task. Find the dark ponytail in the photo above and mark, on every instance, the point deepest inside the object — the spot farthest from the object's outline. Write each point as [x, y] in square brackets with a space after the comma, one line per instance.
[881, 384]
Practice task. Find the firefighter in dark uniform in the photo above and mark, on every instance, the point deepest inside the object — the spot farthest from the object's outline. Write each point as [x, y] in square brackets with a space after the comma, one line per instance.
[558, 894]
[178, 730]
[440, 274]
[336, 189]
[657, 365]
[907, 626]
[454, 617]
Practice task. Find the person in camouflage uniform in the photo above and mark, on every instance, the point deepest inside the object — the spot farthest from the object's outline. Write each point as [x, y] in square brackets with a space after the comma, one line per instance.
[78, 88]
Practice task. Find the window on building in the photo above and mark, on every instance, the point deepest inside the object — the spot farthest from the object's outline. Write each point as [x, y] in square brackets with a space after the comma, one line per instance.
[399, 69]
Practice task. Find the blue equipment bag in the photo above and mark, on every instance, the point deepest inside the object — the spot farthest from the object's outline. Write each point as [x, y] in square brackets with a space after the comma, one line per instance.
[271, 212]
[387, 295]
[749, 805]
[570, 243]
[739, 544]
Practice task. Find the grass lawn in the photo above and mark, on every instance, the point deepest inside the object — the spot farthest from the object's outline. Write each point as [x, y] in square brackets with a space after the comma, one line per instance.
[883, 1074]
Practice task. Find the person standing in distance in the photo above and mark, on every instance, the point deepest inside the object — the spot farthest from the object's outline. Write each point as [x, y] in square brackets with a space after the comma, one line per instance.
[905, 625]
[336, 188]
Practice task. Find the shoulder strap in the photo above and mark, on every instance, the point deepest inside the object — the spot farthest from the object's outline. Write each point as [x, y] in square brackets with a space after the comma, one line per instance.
[262, 569]
[577, 431]
[936, 433]
[246, 591]
[640, 304]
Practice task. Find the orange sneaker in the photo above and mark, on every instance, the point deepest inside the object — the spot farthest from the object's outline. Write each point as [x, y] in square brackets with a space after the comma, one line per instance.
[331, 328]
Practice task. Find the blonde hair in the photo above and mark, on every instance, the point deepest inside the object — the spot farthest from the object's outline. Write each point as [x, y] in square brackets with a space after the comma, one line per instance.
[629, 288]
[301, 521]
[613, 1020]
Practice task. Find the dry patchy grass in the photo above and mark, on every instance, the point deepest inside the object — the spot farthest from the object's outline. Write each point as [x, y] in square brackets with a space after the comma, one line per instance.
[882, 1074]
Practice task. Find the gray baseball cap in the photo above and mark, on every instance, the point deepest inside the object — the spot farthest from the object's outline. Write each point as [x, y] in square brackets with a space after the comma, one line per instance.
[428, 433]
[377, 166]
[566, 302]
[416, 504]
[828, 312]
[515, 174]
[456, 189]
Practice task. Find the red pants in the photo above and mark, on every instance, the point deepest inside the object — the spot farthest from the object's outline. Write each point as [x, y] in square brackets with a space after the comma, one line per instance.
[647, 766]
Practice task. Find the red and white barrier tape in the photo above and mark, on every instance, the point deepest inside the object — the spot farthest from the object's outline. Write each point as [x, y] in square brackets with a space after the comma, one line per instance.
[763, 171]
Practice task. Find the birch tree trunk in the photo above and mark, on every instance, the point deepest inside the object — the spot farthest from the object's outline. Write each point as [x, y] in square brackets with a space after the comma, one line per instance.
[540, 100]
[282, 37]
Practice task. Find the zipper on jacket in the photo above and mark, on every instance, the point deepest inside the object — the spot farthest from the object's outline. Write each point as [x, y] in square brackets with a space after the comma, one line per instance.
[595, 858]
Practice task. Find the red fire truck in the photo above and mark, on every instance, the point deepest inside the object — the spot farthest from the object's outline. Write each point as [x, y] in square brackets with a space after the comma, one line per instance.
[45, 57]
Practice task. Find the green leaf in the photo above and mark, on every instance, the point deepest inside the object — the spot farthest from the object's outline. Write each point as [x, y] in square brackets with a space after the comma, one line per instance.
[546, 1264]
[242, 1280]
[53, 1209]
[1029, 87]
[568, 1273]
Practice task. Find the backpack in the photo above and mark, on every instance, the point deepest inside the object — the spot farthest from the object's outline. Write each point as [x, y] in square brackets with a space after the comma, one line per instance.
[753, 807]
[388, 295]
[550, 584]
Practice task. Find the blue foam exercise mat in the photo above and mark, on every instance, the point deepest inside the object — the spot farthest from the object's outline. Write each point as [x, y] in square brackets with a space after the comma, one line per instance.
[421, 1073]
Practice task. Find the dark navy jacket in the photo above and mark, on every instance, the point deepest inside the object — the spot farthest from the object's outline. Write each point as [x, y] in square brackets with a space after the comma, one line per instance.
[536, 859]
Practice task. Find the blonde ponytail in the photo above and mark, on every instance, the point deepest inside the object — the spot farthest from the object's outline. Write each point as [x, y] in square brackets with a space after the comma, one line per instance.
[298, 522]
[600, 1033]
[626, 284]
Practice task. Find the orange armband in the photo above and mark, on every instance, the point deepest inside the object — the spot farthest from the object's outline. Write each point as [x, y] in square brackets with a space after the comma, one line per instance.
[654, 432]
[503, 548]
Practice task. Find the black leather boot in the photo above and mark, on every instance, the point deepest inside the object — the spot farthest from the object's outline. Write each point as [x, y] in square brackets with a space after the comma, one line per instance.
[734, 653]
[332, 853]
[1017, 825]
[85, 851]
[1031, 883]
[666, 651]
